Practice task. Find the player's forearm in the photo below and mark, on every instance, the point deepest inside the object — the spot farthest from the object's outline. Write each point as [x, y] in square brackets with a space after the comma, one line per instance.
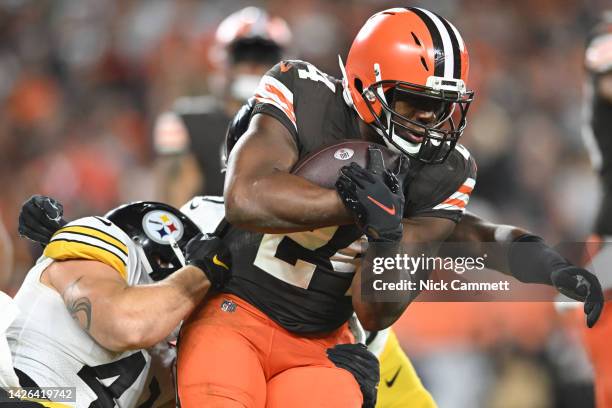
[476, 236]
[281, 202]
[516, 252]
[144, 315]
[421, 236]
[374, 311]
[377, 315]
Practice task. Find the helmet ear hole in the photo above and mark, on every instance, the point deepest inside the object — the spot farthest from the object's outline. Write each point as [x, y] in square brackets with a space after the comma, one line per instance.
[358, 85]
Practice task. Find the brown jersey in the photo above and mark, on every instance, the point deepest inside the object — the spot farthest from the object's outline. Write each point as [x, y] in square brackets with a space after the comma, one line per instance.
[301, 280]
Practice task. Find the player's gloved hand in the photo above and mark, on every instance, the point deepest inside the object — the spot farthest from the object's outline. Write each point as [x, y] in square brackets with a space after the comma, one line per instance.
[580, 284]
[209, 253]
[39, 218]
[374, 196]
[364, 366]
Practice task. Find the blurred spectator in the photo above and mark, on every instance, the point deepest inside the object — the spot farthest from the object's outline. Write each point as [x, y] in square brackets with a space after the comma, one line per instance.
[188, 139]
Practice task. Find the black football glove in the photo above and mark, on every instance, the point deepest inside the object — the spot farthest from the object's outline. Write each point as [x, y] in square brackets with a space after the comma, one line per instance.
[39, 218]
[209, 253]
[580, 284]
[364, 366]
[374, 196]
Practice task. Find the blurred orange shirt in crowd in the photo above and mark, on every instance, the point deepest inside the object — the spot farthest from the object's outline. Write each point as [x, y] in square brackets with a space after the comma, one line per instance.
[427, 326]
[35, 98]
[597, 344]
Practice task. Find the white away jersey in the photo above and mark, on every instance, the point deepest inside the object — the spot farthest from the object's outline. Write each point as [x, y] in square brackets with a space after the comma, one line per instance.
[52, 349]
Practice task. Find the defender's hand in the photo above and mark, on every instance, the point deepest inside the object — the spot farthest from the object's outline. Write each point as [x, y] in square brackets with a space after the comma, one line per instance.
[209, 253]
[364, 366]
[374, 196]
[39, 218]
[580, 284]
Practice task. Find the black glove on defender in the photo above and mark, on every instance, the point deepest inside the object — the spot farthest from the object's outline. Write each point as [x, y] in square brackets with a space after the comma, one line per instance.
[209, 253]
[39, 218]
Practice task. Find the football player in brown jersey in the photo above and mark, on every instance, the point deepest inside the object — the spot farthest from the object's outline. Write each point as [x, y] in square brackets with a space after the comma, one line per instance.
[404, 85]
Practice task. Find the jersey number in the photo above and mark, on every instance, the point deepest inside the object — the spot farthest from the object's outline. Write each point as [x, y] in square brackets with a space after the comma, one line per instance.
[300, 258]
[127, 370]
[314, 74]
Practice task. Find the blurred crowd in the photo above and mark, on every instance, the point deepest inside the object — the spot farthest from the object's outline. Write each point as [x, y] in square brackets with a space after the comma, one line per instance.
[81, 83]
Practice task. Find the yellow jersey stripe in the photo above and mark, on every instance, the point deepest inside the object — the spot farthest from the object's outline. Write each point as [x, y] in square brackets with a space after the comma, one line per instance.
[64, 249]
[43, 403]
[95, 233]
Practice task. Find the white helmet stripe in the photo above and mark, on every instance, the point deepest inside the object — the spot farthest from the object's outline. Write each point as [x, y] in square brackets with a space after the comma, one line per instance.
[449, 59]
[457, 36]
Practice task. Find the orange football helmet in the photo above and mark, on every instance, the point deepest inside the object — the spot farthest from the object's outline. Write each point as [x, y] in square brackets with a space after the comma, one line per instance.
[414, 55]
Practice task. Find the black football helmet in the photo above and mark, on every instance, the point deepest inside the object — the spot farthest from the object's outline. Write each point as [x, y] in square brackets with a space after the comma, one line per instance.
[159, 230]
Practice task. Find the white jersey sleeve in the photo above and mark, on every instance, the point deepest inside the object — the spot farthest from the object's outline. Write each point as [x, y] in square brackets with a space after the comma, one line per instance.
[205, 211]
[96, 238]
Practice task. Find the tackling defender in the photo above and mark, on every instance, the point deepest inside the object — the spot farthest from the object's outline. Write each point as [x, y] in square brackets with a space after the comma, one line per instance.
[97, 309]
[41, 220]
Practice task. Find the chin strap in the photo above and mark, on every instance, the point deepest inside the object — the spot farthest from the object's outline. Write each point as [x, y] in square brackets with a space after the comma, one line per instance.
[144, 260]
[177, 251]
[346, 93]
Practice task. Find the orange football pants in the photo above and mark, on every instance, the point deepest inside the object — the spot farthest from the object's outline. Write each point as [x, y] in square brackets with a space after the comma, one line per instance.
[231, 355]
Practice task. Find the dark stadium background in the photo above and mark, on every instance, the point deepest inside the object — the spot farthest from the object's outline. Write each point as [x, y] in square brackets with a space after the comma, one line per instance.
[81, 82]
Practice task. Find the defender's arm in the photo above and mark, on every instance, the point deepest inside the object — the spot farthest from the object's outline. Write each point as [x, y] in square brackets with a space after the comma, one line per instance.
[122, 317]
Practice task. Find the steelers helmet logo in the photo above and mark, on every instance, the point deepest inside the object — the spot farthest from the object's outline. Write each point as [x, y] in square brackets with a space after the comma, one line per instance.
[160, 225]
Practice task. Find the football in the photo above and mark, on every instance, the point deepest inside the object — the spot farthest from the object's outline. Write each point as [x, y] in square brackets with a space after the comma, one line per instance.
[322, 166]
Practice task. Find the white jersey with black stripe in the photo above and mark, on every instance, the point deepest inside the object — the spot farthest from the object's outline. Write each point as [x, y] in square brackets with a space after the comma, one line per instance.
[51, 348]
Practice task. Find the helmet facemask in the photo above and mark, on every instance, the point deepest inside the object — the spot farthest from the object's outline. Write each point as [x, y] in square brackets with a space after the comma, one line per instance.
[431, 142]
